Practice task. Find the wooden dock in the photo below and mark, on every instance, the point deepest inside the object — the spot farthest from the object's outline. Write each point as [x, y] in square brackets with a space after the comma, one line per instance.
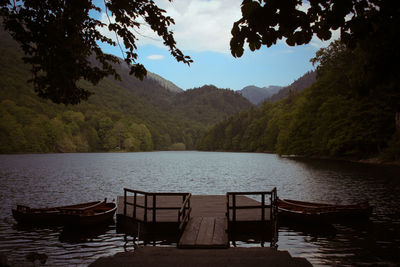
[205, 232]
[201, 221]
[233, 257]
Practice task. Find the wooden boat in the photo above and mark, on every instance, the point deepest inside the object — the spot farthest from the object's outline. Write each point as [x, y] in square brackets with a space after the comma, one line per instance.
[48, 216]
[311, 212]
[98, 215]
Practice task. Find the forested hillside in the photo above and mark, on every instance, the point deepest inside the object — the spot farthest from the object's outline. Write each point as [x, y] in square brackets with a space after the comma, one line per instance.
[297, 86]
[347, 112]
[121, 116]
[208, 104]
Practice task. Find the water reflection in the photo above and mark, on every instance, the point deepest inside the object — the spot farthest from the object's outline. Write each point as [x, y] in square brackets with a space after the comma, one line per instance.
[83, 235]
[59, 179]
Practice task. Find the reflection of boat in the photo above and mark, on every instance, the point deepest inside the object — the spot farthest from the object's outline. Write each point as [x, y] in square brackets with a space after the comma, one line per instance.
[300, 211]
[307, 229]
[52, 216]
[85, 234]
[100, 214]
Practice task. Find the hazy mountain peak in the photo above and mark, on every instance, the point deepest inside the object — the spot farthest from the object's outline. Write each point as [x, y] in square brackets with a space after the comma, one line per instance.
[257, 95]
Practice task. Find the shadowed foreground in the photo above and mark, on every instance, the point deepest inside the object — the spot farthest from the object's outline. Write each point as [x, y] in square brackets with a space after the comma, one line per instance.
[159, 256]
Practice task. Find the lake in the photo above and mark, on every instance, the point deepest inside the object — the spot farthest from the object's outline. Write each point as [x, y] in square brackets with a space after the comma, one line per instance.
[40, 180]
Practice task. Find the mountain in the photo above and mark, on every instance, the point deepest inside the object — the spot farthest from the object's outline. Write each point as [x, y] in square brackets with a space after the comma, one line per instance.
[163, 82]
[257, 95]
[209, 103]
[127, 115]
[297, 86]
[272, 93]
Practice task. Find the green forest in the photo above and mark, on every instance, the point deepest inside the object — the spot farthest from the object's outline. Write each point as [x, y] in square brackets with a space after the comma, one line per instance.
[349, 112]
[130, 115]
[352, 110]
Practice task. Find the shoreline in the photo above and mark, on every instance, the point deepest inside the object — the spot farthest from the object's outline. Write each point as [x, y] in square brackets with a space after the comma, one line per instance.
[372, 161]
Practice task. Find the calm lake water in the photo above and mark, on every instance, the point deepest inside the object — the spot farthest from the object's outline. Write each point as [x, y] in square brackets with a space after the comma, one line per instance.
[59, 179]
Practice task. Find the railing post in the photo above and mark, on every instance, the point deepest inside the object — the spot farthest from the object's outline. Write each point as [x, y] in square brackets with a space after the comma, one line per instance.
[273, 203]
[227, 207]
[234, 208]
[134, 205]
[124, 201]
[179, 218]
[154, 207]
[263, 207]
[189, 196]
[145, 208]
[184, 207]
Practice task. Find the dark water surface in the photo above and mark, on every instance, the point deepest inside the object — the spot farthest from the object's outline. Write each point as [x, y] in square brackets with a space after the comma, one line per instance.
[60, 179]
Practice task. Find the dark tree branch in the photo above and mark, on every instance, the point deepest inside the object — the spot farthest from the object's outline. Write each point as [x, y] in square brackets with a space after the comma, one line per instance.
[58, 38]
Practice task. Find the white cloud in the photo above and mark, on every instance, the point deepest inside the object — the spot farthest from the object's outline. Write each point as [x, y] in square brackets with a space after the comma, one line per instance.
[104, 30]
[155, 57]
[317, 43]
[200, 25]
[204, 25]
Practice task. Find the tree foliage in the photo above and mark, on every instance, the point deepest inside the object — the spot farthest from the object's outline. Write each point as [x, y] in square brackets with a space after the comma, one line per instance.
[264, 22]
[59, 37]
[350, 110]
[330, 118]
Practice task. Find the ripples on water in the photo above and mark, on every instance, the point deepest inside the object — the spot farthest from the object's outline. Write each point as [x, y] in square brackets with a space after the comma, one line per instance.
[59, 179]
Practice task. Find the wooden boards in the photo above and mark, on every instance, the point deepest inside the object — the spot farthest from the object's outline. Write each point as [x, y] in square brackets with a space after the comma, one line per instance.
[205, 232]
[232, 257]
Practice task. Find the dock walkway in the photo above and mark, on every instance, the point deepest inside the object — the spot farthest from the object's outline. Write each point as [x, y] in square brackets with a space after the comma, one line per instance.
[205, 232]
[160, 256]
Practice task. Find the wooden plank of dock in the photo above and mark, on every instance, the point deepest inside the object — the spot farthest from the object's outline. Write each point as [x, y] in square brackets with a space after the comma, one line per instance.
[232, 257]
[205, 232]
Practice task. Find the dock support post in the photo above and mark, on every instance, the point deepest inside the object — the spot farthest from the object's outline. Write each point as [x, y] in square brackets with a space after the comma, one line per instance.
[134, 205]
[154, 208]
[124, 202]
[263, 207]
[145, 208]
[234, 207]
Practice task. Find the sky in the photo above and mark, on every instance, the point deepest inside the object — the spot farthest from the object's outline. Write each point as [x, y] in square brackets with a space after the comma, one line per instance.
[202, 31]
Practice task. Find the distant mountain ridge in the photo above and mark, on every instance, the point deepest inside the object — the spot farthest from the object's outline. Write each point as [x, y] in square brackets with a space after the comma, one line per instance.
[297, 86]
[257, 95]
[123, 69]
[164, 83]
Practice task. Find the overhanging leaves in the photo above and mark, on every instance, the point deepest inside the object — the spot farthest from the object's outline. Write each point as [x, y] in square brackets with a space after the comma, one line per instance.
[60, 41]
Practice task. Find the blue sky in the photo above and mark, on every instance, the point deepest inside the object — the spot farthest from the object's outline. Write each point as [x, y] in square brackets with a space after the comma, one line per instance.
[202, 31]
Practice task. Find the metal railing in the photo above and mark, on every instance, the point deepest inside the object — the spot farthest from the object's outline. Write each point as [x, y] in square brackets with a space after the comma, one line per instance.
[183, 210]
[271, 205]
